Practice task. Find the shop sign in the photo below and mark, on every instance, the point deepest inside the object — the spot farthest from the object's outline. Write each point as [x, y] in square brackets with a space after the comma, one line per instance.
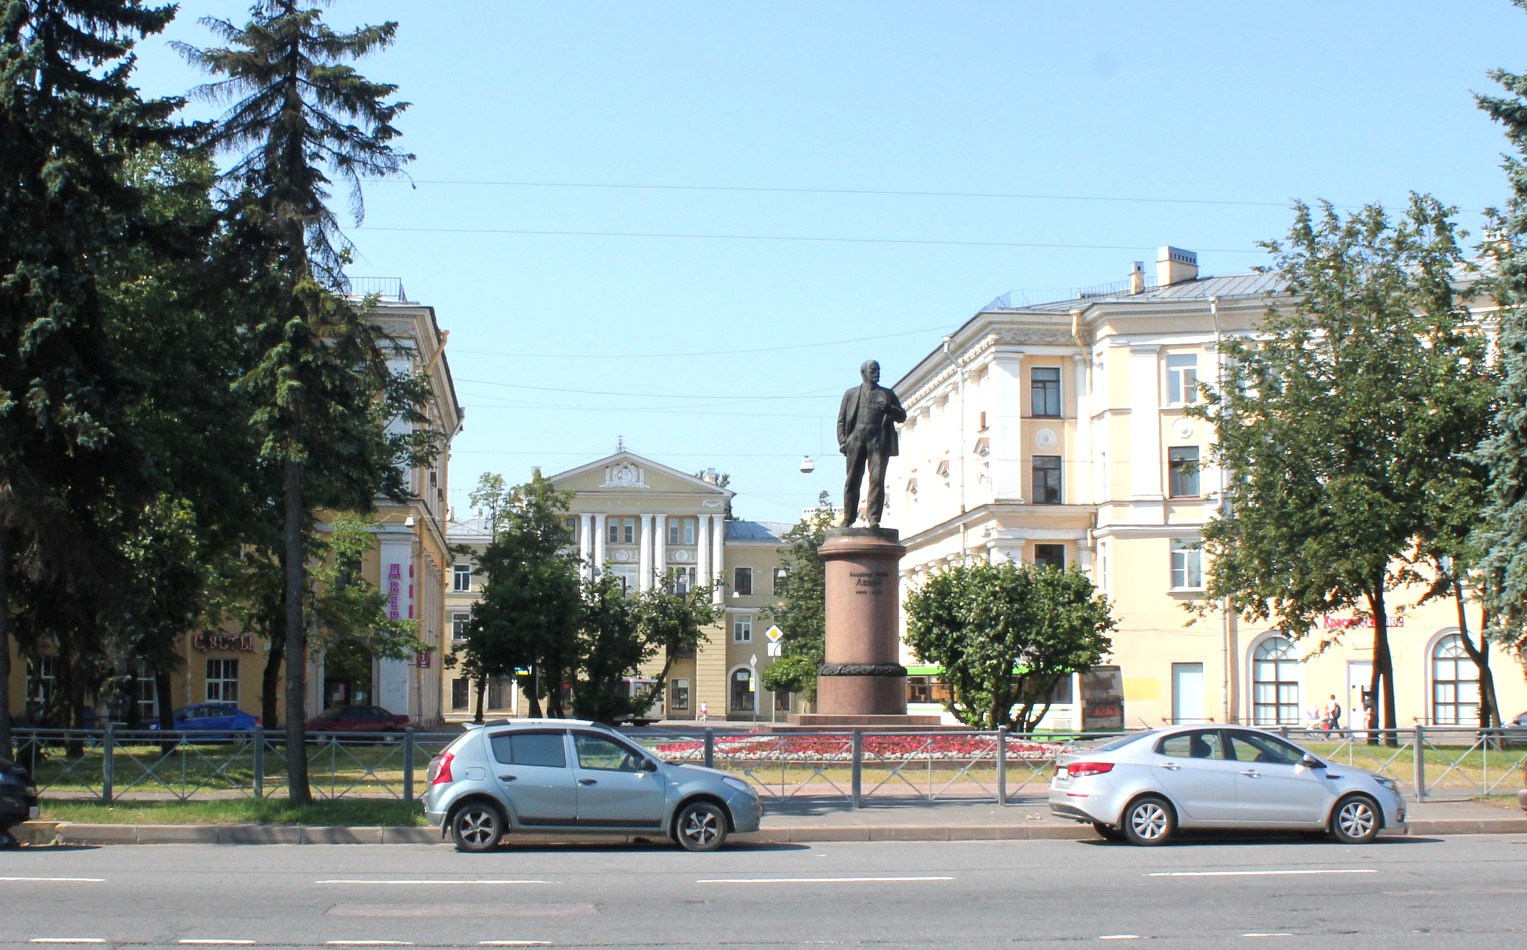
[240, 643]
[1357, 623]
[1103, 699]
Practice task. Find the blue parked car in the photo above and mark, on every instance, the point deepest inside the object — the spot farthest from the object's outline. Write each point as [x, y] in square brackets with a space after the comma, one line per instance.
[215, 720]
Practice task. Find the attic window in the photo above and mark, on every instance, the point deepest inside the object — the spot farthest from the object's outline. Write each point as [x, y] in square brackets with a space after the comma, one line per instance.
[981, 447]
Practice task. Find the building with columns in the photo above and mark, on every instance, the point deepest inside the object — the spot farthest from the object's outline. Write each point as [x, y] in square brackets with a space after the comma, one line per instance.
[643, 522]
[1056, 433]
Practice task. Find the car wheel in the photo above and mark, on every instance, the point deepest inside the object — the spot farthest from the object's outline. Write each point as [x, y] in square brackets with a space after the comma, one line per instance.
[477, 827]
[1356, 820]
[1108, 832]
[701, 826]
[1148, 820]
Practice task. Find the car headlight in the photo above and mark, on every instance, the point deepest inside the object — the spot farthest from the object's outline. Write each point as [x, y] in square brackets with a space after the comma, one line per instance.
[739, 785]
[1388, 783]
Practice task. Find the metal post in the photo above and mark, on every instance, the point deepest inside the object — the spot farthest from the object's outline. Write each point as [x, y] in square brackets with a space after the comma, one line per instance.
[108, 767]
[1419, 758]
[857, 782]
[710, 748]
[1002, 765]
[408, 764]
[259, 761]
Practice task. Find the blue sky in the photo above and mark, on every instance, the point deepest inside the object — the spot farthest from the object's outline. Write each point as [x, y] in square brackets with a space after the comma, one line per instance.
[684, 225]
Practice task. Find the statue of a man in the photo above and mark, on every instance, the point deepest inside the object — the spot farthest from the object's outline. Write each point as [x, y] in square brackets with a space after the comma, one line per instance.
[867, 437]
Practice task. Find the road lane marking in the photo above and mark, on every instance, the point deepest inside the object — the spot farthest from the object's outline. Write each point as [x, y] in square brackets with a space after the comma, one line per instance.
[67, 940]
[1120, 937]
[1260, 873]
[1267, 935]
[514, 943]
[214, 942]
[821, 880]
[54, 880]
[367, 943]
[451, 883]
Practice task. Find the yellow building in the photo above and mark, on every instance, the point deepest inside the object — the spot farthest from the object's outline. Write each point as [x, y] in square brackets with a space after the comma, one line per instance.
[1056, 433]
[409, 563]
[641, 520]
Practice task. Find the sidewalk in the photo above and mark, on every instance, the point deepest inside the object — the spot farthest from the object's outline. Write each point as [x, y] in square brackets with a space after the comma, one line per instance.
[791, 821]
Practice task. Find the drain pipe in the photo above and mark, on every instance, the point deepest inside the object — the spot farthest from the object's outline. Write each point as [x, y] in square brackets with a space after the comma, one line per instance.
[1224, 612]
[959, 372]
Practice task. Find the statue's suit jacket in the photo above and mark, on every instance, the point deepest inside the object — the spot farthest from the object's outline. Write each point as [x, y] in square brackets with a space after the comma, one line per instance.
[849, 411]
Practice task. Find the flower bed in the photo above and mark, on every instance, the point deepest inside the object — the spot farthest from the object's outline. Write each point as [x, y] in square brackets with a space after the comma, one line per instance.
[832, 748]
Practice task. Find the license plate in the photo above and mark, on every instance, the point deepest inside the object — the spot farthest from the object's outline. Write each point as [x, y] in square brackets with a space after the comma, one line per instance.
[1060, 772]
[33, 812]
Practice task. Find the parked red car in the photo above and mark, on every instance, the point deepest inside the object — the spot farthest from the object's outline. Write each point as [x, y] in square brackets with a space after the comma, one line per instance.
[356, 719]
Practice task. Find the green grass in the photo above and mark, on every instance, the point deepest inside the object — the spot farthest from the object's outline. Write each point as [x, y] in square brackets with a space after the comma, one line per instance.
[265, 811]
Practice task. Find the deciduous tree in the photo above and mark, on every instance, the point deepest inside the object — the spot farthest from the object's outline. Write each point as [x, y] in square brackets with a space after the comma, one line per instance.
[1005, 635]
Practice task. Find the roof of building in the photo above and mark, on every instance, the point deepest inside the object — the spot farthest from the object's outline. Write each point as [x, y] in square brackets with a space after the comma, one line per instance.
[1199, 288]
[756, 530]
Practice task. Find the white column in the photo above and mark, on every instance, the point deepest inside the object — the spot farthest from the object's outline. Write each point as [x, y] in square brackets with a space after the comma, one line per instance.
[1004, 389]
[718, 549]
[599, 555]
[660, 548]
[1082, 480]
[586, 532]
[702, 550]
[1145, 426]
[644, 557]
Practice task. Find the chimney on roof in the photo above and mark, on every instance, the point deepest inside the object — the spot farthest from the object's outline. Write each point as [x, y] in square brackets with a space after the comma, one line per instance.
[1174, 265]
[1137, 278]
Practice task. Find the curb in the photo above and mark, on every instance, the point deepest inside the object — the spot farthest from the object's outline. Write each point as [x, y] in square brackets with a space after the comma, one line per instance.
[42, 833]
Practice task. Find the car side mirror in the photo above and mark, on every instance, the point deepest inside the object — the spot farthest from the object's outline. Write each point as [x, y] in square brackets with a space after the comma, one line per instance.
[1310, 762]
[648, 765]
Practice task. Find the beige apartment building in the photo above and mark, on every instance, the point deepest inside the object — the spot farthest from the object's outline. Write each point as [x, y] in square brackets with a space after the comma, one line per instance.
[1056, 433]
[409, 562]
[643, 521]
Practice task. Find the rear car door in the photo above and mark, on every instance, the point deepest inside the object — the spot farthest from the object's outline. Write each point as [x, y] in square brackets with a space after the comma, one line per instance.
[1273, 787]
[534, 776]
[616, 786]
[1195, 772]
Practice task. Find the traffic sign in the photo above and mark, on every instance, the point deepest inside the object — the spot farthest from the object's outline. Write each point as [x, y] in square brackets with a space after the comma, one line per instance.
[774, 633]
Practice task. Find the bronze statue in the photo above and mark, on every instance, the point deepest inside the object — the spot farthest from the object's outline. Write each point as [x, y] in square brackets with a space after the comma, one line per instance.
[867, 437]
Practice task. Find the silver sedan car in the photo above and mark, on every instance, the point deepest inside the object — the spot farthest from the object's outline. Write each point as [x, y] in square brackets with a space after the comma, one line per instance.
[1144, 786]
[570, 777]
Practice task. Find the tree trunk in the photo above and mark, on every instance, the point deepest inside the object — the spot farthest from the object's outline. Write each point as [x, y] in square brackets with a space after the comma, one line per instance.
[270, 684]
[1383, 670]
[482, 687]
[1489, 713]
[6, 748]
[296, 641]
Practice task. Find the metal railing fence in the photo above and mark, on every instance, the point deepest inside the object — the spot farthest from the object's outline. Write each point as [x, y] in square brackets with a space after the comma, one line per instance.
[859, 767]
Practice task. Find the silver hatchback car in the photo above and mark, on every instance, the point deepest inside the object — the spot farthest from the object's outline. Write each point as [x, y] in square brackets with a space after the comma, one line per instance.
[566, 776]
[1144, 786]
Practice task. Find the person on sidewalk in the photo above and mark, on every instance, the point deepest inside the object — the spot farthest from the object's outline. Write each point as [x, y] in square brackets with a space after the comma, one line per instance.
[1333, 714]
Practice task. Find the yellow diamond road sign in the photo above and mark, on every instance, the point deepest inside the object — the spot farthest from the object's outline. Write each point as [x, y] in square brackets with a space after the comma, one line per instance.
[774, 633]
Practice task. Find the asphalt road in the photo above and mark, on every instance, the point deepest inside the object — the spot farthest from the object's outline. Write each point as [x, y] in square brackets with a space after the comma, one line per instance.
[1455, 892]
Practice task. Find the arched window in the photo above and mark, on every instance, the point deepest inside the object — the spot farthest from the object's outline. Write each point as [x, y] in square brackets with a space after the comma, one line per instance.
[1275, 684]
[741, 695]
[1455, 684]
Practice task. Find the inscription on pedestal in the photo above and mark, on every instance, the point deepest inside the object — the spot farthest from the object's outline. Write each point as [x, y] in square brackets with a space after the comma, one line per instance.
[869, 583]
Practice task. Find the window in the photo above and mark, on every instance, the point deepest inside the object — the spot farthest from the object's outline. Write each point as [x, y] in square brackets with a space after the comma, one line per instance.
[780, 574]
[626, 575]
[1182, 471]
[145, 691]
[459, 622]
[605, 754]
[461, 692]
[621, 531]
[570, 522]
[681, 580]
[678, 694]
[1181, 378]
[1047, 480]
[742, 581]
[742, 629]
[681, 531]
[461, 577]
[1455, 684]
[740, 696]
[223, 681]
[42, 676]
[1051, 555]
[1187, 564]
[1044, 391]
[543, 749]
[1275, 684]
